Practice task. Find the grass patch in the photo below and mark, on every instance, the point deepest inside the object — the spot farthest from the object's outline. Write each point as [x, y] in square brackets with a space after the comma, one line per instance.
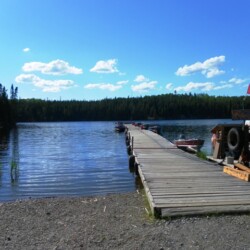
[149, 214]
[202, 155]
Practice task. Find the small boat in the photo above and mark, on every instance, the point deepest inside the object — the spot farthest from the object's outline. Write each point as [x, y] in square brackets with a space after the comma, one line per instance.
[144, 126]
[155, 128]
[137, 124]
[119, 127]
[184, 143]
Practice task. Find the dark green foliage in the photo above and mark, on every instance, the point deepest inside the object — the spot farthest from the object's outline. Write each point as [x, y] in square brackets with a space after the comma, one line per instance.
[8, 107]
[202, 155]
[13, 93]
[168, 106]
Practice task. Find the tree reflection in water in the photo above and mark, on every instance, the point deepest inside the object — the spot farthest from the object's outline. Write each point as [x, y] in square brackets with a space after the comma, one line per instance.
[9, 150]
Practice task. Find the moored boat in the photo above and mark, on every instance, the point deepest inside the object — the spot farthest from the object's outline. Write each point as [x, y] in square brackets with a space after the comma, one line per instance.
[155, 128]
[194, 143]
[119, 127]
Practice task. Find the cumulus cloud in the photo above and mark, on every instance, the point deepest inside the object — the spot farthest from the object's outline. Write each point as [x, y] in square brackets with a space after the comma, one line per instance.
[122, 82]
[108, 66]
[237, 80]
[204, 86]
[209, 67]
[169, 86]
[56, 67]
[26, 78]
[141, 78]
[225, 86]
[26, 49]
[209, 73]
[45, 85]
[103, 86]
[144, 86]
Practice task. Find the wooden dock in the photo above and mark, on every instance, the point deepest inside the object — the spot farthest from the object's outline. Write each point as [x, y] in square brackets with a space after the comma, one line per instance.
[178, 183]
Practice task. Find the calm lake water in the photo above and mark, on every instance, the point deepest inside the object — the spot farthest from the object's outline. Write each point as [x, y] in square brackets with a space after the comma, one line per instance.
[77, 158]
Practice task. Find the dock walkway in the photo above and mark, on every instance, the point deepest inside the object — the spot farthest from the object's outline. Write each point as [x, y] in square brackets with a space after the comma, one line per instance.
[178, 183]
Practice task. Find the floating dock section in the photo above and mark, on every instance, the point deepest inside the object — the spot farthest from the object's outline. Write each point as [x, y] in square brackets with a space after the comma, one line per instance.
[178, 183]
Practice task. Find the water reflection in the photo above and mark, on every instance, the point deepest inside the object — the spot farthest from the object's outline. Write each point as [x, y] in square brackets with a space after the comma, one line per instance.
[14, 164]
[14, 172]
[138, 183]
[61, 159]
[78, 158]
[9, 157]
[4, 153]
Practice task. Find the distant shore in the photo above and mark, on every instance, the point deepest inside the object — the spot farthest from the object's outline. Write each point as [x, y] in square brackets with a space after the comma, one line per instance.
[117, 221]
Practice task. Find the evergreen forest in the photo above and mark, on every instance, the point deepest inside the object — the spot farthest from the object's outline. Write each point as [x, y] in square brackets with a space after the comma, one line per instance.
[167, 106]
[8, 107]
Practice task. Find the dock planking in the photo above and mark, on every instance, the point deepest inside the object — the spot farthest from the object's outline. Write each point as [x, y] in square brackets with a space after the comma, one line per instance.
[178, 183]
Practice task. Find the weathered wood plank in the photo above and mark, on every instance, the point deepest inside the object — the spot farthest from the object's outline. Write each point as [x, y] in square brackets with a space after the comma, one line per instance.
[242, 167]
[203, 204]
[176, 211]
[177, 183]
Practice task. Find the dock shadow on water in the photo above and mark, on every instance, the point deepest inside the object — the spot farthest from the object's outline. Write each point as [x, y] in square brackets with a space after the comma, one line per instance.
[63, 159]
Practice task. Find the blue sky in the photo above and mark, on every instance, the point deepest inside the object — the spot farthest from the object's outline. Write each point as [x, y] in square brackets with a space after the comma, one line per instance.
[95, 49]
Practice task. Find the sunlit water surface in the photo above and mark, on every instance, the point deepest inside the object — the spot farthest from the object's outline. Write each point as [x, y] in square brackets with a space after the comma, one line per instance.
[77, 158]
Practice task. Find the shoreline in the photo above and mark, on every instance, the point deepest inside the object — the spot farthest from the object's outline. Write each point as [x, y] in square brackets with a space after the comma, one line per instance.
[115, 221]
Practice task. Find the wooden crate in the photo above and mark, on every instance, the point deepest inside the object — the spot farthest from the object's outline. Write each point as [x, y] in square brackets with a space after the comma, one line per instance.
[240, 174]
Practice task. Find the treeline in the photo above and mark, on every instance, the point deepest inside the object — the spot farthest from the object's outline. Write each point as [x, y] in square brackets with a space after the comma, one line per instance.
[8, 107]
[168, 106]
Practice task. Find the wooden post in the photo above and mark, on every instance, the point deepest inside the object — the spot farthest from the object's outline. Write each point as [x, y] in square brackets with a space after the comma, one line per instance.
[217, 148]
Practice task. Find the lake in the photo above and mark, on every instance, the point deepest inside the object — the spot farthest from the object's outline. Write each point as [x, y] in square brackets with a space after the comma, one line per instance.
[76, 158]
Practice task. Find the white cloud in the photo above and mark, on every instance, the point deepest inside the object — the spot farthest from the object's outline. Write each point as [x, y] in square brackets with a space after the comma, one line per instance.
[204, 86]
[122, 82]
[144, 86]
[108, 66]
[141, 78]
[209, 73]
[26, 49]
[26, 78]
[169, 86]
[56, 67]
[237, 80]
[45, 85]
[103, 86]
[225, 86]
[209, 67]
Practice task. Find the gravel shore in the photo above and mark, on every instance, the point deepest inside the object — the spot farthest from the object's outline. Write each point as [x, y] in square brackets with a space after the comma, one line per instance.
[117, 221]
